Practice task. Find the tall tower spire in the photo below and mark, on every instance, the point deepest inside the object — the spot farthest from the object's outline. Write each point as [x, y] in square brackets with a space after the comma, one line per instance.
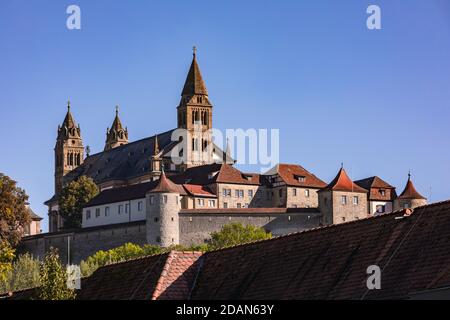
[156, 161]
[117, 135]
[195, 116]
[69, 150]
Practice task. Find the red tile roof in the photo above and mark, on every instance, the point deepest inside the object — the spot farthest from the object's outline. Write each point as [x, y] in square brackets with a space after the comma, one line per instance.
[331, 262]
[130, 280]
[373, 182]
[198, 191]
[410, 192]
[177, 276]
[290, 174]
[342, 182]
[166, 186]
[410, 247]
[374, 185]
[216, 173]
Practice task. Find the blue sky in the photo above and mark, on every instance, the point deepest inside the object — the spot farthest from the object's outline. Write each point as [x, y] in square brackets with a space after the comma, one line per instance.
[379, 101]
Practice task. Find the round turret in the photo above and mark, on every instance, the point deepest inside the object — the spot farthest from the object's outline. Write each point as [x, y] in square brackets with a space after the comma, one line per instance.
[164, 204]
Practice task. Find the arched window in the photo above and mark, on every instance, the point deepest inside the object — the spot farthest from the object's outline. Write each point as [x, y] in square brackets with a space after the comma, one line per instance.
[78, 159]
[71, 159]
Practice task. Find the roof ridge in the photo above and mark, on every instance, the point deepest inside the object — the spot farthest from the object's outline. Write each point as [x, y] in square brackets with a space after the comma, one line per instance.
[131, 260]
[323, 227]
[129, 144]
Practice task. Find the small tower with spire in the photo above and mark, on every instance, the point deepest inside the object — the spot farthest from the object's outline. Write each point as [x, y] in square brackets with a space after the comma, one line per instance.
[163, 207]
[69, 150]
[156, 161]
[116, 135]
[342, 200]
[410, 198]
[195, 116]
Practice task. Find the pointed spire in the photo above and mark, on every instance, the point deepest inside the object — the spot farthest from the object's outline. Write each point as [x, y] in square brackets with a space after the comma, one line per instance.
[166, 186]
[68, 122]
[342, 182]
[117, 124]
[156, 146]
[116, 135]
[410, 191]
[194, 82]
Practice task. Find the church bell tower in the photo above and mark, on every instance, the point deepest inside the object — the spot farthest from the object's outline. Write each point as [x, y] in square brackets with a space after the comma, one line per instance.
[69, 150]
[195, 116]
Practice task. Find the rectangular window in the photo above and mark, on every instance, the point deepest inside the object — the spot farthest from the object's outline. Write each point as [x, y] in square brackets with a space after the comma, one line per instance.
[127, 208]
[307, 193]
[225, 205]
[97, 212]
[236, 193]
[106, 211]
[294, 192]
[165, 199]
[88, 214]
[140, 206]
[201, 202]
[152, 199]
[238, 205]
[246, 205]
[211, 203]
[120, 209]
[355, 200]
[381, 209]
[241, 193]
[382, 192]
[344, 199]
[250, 193]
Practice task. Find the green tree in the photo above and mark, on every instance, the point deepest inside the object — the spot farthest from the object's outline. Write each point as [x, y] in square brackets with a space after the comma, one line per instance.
[53, 279]
[72, 199]
[126, 252]
[24, 274]
[14, 215]
[6, 258]
[235, 234]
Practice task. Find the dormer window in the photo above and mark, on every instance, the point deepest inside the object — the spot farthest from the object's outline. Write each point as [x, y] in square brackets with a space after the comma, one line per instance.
[300, 178]
[382, 192]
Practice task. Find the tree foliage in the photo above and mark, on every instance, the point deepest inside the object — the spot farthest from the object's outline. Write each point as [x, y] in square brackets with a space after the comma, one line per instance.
[72, 199]
[14, 215]
[23, 274]
[126, 252]
[6, 258]
[53, 279]
[235, 233]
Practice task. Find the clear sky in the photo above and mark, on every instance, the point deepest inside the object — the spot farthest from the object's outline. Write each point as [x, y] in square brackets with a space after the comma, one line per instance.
[379, 101]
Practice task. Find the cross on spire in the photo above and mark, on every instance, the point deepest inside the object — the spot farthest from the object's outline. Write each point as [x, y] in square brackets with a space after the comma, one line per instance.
[194, 50]
[68, 104]
[117, 109]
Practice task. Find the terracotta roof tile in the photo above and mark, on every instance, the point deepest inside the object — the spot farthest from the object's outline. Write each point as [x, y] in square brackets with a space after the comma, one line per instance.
[331, 262]
[166, 186]
[410, 192]
[342, 182]
[178, 276]
[291, 174]
[199, 191]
